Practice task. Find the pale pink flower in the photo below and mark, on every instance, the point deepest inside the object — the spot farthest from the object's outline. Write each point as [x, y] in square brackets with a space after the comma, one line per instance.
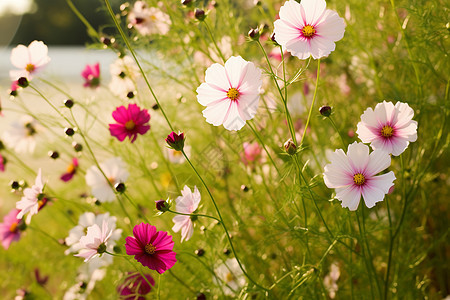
[187, 203]
[308, 29]
[389, 128]
[94, 242]
[353, 175]
[148, 20]
[29, 60]
[252, 153]
[230, 93]
[30, 200]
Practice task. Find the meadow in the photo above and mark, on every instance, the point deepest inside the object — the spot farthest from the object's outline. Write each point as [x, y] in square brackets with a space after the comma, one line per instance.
[236, 150]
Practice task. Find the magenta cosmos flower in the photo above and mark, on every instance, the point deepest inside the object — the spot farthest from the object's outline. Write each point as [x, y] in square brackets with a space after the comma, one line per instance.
[131, 121]
[308, 29]
[353, 175]
[29, 60]
[91, 74]
[153, 249]
[71, 170]
[9, 229]
[135, 286]
[389, 128]
[230, 93]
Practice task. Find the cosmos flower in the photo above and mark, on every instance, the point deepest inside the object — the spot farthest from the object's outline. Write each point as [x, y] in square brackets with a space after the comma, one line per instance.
[353, 175]
[86, 280]
[32, 200]
[21, 136]
[124, 74]
[148, 20]
[29, 60]
[252, 153]
[89, 219]
[230, 93]
[231, 277]
[94, 243]
[91, 74]
[131, 121]
[389, 128]
[71, 170]
[187, 203]
[153, 249]
[308, 29]
[329, 281]
[9, 229]
[135, 286]
[115, 172]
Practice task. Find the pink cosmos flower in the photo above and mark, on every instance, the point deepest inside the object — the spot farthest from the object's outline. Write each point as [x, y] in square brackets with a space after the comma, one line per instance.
[91, 74]
[2, 163]
[187, 203]
[389, 128]
[252, 153]
[135, 286]
[153, 249]
[9, 229]
[148, 20]
[71, 170]
[94, 242]
[32, 199]
[130, 122]
[29, 60]
[230, 93]
[308, 29]
[353, 175]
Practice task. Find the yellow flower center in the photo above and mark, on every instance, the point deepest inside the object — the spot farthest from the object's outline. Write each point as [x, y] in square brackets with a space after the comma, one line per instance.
[233, 94]
[150, 249]
[70, 168]
[387, 131]
[130, 125]
[30, 68]
[13, 227]
[359, 179]
[308, 31]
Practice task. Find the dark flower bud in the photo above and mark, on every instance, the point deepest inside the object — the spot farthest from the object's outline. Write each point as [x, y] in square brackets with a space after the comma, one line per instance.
[199, 14]
[130, 95]
[106, 40]
[200, 252]
[175, 141]
[14, 185]
[290, 147]
[226, 251]
[68, 103]
[69, 131]
[155, 106]
[53, 154]
[253, 34]
[77, 147]
[272, 38]
[23, 82]
[244, 188]
[120, 187]
[13, 93]
[325, 111]
[186, 2]
[162, 205]
[201, 296]
[117, 249]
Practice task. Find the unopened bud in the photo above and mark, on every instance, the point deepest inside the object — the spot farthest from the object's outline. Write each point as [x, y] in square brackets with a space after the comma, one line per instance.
[68, 103]
[325, 111]
[120, 187]
[162, 205]
[253, 34]
[290, 147]
[199, 14]
[53, 154]
[69, 131]
[23, 82]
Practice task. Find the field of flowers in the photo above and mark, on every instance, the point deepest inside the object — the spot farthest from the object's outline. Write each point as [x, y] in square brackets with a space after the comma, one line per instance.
[239, 149]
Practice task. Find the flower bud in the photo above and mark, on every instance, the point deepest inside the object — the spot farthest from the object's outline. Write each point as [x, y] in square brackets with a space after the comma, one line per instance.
[68, 103]
[14, 185]
[120, 187]
[130, 95]
[290, 147]
[175, 141]
[325, 111]
[186, 2]
[272, 38]
[226, 251]
[106, 40]
[200, 252]
[77, 147]
[23, 82]
[201, 296]
[69, 131]
[199, 14]
[53, 154]
[162, 205]
[253, 34]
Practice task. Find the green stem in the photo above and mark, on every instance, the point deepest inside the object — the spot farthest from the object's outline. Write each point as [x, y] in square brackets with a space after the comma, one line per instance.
[124, 37]
[193, 215]
[91, 31]
[337, 130]
[362, 238]
[391, 247]
[369, 252]
[214, 41]
[312, 104]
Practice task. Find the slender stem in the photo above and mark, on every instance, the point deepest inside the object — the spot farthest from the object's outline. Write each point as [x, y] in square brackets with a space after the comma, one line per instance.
[159, 287]
[221, 221]
[164, 159]
[124, 37]
[135, 206]
[193, 215]
[362, 238]
[312, 103]
[369, 252]
[214, 41]
[92, 32]
[337, 130]
[44, 233]
[391, 247]
[286, 110]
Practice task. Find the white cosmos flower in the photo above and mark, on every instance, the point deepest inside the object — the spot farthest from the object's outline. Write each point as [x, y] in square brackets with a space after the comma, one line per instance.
[231, 277]
[187, 203]
[308, 29]
[148, 20]
[21, 136]
[87, 276]
[29, 60]
[330, 280]
[115, 171]
[353, 175]
[389, 128]
[124, 74]
[94, 243]
[30, 200]
[230, 93]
